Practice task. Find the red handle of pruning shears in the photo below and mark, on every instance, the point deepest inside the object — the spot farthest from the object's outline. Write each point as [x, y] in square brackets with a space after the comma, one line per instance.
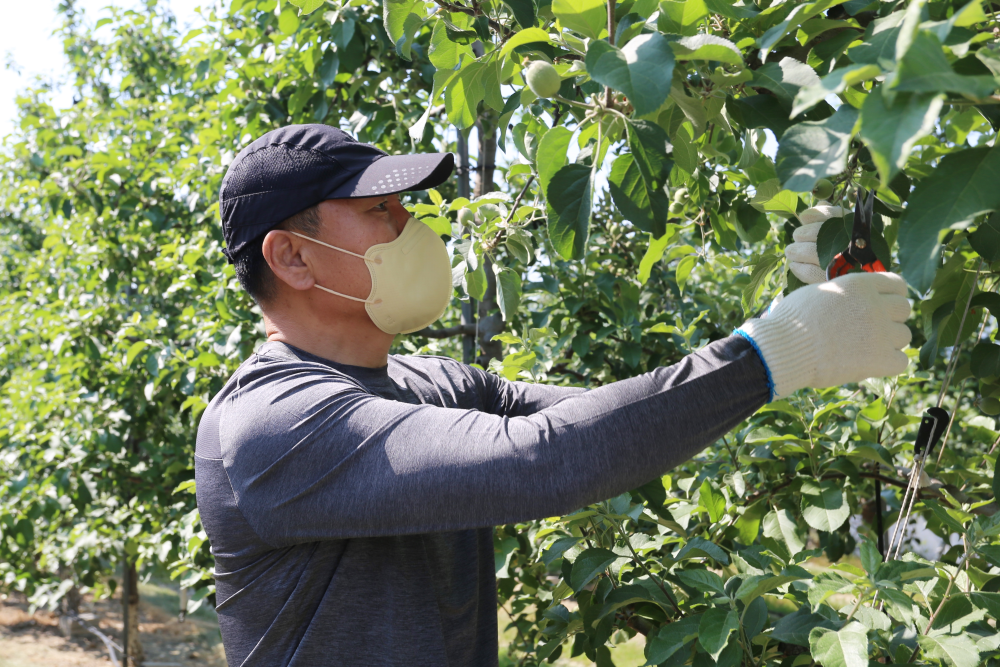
[859, 255]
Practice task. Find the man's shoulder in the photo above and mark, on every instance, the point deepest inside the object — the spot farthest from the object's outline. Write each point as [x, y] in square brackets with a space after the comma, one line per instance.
[269, 389]
[435, 367]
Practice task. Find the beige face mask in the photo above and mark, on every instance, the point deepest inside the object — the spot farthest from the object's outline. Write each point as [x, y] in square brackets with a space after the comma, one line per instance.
[411, 279]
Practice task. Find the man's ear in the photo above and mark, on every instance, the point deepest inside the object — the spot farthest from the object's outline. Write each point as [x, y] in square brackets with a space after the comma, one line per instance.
[283, 253]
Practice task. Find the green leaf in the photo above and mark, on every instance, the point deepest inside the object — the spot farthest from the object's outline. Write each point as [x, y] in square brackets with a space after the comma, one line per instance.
[756, 585]
[411, 26]
[925, 69]
[785, 78]
[890, 131]
[463, 94]
[878, 46]
[960, 188]
[681, 17]
[671, 638]
[712, 501]
[643, 70]
[524, 12]
[703, 580]
[569, 193]
[707, 47]
[440, 224]
[508, 293]
[685, 151]
[587, 17]
[954, 650]
[795, 627]
[763, 267]
[444, 53]
[654, 253]
[833, 238]
[716, 625]
[988, 300]
[986, 360]
[748, 524]
[589, 564]
[328, 68]
[527, 36]
[519, 244]
[684, 268]
[308, 6]
[870, 556]
[645, 209]
[847, 647]
[759, 111]
[475, 283]
[986, 241]
[188, 486]
[832, 84]
[621, 597]
[732, 11]
[795, 18]
[394, 13]
[780, 526]
[812, 150]
[699, 547]
[288, 21]
[725, 231]
[134, 351]
[551, 155]
[648, 143]
[559, 547]
[824, 506]
[751, 224]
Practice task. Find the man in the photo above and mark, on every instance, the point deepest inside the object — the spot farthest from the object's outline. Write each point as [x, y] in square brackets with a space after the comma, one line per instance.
[350, 495]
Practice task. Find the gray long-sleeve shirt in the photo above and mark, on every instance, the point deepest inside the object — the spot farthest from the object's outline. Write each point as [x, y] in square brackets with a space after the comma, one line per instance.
[350, 509]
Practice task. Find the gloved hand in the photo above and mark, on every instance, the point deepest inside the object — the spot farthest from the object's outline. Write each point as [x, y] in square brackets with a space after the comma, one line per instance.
[843, 330]
[802, 257]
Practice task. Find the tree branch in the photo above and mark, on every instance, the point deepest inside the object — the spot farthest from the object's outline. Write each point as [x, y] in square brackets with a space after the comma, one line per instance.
[458, 330]
[609, 99]
[455, 7]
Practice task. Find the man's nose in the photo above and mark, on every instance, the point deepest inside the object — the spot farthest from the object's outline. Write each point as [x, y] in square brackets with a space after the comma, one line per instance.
[399, 214]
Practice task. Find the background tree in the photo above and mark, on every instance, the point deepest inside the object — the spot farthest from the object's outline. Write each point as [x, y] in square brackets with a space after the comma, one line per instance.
[640, 220]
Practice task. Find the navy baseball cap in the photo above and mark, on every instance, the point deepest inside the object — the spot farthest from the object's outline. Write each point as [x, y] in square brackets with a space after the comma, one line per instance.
[291, 169]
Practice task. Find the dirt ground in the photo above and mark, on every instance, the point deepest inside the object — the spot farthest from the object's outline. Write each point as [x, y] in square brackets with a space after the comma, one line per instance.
[35, 640]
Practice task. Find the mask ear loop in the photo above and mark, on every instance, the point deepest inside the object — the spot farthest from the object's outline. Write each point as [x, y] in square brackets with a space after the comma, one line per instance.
[348, 252]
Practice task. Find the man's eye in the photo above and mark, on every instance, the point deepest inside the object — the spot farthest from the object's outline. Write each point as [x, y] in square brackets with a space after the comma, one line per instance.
[383, 206]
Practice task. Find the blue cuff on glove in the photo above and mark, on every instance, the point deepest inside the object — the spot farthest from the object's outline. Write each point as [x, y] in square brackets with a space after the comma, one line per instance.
[753, 344]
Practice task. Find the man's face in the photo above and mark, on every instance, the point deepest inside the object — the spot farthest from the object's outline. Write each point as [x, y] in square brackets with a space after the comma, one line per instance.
[354, 225]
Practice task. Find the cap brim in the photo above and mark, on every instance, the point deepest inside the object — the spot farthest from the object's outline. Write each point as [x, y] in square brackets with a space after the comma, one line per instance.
[398, 173]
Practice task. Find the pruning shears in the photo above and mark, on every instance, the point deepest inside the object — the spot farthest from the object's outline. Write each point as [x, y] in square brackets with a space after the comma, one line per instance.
[859, 254]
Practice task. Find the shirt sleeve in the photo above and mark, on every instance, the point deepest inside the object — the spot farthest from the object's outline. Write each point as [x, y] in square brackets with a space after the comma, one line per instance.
[313, 458]
[517, 399]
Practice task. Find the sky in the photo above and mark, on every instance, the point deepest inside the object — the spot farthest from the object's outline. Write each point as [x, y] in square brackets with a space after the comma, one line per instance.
[27, 40]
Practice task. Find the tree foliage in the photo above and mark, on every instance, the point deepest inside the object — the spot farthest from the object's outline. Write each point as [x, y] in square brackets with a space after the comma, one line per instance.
[641, 219]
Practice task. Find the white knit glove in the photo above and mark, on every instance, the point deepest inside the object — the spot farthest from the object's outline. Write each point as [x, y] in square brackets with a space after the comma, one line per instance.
[802, 257]
[843, 330]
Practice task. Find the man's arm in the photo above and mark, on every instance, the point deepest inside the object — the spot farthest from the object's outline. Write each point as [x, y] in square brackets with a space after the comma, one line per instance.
[310, 460]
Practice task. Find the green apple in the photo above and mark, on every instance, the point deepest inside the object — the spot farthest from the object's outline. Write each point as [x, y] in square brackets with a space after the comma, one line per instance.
[543, 79]
[823, 189]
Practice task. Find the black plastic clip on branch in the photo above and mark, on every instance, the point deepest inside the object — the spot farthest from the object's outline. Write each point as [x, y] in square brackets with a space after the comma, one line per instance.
[932, 427]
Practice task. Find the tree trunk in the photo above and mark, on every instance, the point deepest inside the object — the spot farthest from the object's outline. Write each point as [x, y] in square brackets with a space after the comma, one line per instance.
[130, 616]
[468, 307]
[182, 612]
[490, 322]
[70, 608]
